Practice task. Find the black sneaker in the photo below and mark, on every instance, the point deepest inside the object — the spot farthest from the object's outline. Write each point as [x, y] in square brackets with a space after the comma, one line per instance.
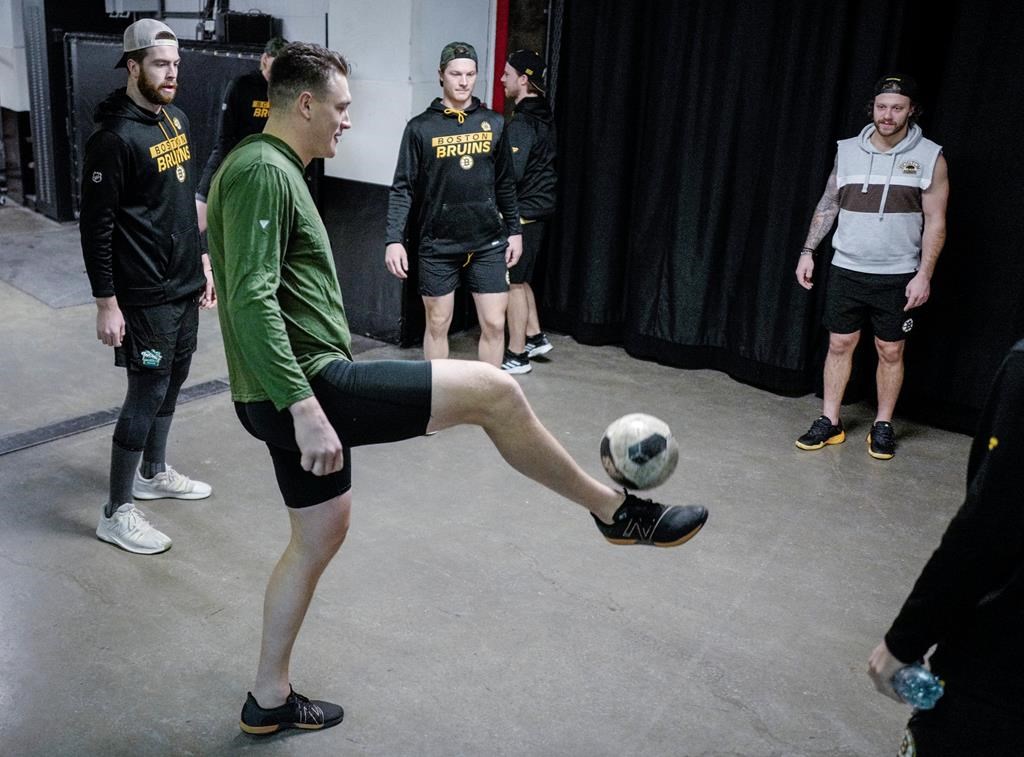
[882, 441]
[296, 712]
[538, 345]
[514, 363]
[641, 521]
[822, 432]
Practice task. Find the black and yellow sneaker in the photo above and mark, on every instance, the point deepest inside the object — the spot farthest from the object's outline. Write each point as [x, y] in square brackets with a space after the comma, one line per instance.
[641, 521]
[882, 441]
[822, 432]
[296, 712]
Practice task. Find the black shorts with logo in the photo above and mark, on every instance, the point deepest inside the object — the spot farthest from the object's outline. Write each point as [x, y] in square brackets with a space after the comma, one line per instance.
[534, 233]
[853, 298]
[374, 402]
[482, 272]
[157, 336]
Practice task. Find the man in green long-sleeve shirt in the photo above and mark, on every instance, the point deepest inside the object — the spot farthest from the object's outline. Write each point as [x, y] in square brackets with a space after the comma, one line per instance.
[296, 388]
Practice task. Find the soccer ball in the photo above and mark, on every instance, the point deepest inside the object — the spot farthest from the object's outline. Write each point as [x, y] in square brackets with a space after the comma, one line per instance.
[639, 451]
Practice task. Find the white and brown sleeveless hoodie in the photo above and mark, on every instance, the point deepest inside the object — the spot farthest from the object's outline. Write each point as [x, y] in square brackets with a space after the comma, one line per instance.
[880, 218]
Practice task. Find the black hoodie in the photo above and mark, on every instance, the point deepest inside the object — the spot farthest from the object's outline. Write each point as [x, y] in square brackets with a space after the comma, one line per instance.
[454, 175]
[531, 135]
[140, 237]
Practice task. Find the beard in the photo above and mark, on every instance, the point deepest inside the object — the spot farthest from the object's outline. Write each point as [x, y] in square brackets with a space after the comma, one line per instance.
[152, 93]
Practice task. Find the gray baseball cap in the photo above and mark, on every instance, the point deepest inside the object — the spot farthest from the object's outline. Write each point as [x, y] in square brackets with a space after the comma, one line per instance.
[146, 32]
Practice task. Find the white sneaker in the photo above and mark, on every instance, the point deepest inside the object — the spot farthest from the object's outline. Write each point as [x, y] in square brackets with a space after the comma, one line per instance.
[169, 484]
[129, 529]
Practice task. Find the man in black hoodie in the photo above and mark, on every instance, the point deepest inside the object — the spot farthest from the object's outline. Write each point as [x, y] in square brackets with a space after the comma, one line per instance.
[969, 598]
[243, 111]
[454, 199]
[140, 241]
[531, 134]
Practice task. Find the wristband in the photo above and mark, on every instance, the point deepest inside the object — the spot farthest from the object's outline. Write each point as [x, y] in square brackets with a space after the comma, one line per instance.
[806, 252]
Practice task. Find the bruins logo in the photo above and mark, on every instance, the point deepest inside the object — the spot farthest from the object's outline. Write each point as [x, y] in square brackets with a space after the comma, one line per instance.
[177, 123]
[466, 162]
[485, 125]
[180, 173]
[908, 325]
[910, 167]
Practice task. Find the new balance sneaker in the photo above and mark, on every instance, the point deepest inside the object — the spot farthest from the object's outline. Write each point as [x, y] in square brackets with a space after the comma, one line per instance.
[822, 432]
[296, 712]
[514, 363]
[169, 485]
[882, 441]
[641, 521]
[538, 345]
[128, 529]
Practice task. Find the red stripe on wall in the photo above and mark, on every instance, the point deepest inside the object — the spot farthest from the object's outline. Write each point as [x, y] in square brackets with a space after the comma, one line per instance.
[500, 52]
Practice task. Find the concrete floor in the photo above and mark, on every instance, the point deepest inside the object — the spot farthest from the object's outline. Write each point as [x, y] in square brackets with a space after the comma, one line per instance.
[471, 612]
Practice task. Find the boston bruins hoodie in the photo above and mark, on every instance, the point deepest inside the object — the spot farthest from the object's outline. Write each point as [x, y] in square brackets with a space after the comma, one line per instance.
[140, 237]
[454, 188]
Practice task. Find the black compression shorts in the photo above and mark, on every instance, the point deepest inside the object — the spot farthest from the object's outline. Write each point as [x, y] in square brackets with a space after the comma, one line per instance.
[533, 242]
[158, 336]
[367, 403]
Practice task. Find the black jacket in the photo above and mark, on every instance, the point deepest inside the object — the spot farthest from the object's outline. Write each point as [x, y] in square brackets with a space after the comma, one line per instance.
[452, 180]
[969, 598]
[531, 135]
[140, 237]
[243, 112]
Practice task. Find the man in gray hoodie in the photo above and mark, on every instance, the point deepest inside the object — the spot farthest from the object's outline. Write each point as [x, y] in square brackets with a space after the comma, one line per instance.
[888, 188]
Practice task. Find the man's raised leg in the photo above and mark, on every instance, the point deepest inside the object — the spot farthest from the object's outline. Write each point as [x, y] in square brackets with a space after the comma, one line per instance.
[479, 394]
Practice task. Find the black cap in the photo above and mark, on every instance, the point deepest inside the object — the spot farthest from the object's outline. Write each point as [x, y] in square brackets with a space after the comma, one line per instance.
[897, 84]
[529, 64]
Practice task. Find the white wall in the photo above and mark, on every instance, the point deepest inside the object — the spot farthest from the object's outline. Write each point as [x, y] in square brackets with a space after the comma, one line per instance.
[13, 71]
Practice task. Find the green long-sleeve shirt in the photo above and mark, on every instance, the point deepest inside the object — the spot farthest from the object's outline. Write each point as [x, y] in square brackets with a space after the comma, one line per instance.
[281, 314]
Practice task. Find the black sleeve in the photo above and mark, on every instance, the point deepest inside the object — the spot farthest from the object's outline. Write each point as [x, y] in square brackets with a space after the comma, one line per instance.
[402, 187]
[505, 185]
[227, 137]
[983, 544]
[106, 164]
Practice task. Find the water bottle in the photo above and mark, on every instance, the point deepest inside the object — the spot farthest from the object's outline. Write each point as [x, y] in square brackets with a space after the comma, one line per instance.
[916, 686]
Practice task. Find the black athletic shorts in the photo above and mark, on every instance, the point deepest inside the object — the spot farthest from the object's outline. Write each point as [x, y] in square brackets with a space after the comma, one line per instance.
[533, 242]
[156, 336]
[482, 272]
[853, 298]
[367, 403]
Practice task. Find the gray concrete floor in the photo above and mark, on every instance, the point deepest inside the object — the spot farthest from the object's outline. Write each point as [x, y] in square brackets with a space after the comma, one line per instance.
[471, 612]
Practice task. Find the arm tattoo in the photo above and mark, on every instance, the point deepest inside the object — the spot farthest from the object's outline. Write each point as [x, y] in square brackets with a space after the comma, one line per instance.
[824, 213]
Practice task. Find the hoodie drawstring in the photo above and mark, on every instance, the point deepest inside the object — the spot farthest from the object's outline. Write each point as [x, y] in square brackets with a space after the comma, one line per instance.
[885, 191]
[456, 112]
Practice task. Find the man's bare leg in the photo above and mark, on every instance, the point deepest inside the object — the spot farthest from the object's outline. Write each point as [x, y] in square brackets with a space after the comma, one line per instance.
[838, 364]
[475, 393]
[439, 312]
[490, 312]
[518, 317]
[888, 377]
[317, 534]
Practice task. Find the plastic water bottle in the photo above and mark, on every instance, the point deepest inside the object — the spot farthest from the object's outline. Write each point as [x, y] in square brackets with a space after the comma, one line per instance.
[916, 686]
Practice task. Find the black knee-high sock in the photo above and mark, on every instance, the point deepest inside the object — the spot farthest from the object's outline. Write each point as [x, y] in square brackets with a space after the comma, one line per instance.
[123, 463]
[154, 458]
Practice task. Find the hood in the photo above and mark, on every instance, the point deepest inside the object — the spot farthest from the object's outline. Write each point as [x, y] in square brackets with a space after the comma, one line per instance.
[119, 105]
[536, 107]
[447, 112]
[914, 135]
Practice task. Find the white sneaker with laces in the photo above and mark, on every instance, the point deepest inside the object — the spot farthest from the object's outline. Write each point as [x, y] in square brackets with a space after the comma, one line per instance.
[128, 529]
[169, 485]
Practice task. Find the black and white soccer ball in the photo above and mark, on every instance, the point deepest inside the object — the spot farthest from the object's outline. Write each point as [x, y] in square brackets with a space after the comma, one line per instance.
[639, 451]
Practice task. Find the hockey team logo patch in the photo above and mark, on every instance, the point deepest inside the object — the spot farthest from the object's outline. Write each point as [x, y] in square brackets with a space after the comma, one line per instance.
[180, 173]
[177, 123]
[910, 168]
[466, 162]
[97, 177]
[485, 125]
[151, 358]
[907, 325]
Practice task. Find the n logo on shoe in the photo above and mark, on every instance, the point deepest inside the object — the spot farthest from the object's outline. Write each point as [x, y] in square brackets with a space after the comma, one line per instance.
[635, 530]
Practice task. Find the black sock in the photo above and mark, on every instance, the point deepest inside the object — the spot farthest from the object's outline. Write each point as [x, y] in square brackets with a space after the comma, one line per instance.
[155, 458]
[123, 463]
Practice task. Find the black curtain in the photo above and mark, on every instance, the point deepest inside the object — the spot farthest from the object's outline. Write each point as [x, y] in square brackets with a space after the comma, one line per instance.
[695, 139]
